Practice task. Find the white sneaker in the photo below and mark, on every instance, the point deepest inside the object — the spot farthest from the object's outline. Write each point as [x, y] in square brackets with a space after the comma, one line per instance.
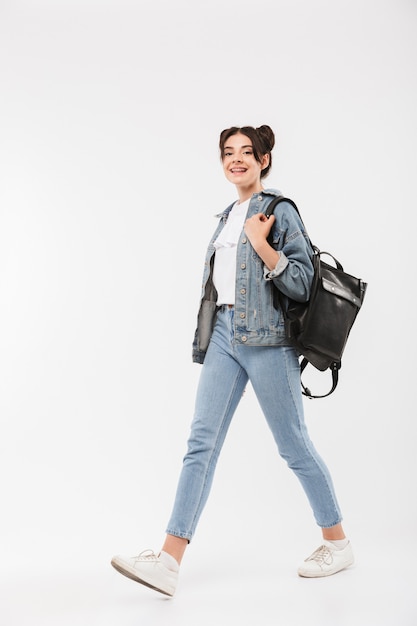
[326, 560]
[148, 569]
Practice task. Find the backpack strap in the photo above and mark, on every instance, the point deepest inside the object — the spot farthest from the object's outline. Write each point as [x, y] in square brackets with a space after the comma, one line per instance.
[271, 206]
[333, 367]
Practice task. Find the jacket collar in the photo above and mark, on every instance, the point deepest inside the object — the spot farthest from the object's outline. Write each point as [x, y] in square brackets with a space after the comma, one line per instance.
[264, 192]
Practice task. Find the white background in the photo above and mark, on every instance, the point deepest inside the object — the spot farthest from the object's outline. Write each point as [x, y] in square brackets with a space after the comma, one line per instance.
[110, 113]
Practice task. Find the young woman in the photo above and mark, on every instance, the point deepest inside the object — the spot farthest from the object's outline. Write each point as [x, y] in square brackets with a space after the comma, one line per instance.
[240, 337]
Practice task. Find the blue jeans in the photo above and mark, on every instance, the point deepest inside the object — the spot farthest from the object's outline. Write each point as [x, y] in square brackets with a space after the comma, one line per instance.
[274, 373]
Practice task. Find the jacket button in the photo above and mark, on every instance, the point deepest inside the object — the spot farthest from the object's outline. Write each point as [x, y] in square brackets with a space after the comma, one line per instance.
[243, 291]
[242, 316]
[244, 240]
[244, 338]
[259, 198]
[243, 266]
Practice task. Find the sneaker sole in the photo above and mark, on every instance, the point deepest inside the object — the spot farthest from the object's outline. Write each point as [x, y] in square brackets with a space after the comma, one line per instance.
[133, 576]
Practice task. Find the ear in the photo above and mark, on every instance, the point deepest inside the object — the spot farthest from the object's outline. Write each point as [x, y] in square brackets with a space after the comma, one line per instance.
[265, 161]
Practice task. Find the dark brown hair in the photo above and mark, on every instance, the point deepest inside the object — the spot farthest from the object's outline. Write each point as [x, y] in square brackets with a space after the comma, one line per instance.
[262, 138]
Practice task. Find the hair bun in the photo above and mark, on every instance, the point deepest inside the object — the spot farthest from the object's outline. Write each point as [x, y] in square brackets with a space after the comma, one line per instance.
[267, 136]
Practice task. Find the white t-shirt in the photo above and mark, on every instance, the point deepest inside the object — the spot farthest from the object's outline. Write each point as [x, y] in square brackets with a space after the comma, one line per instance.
[224, 273]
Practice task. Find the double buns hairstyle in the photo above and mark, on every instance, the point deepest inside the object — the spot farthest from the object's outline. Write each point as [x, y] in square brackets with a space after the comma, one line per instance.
[262, 138]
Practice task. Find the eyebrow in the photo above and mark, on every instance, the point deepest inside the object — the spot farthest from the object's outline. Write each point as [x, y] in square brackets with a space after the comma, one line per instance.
[231, 147]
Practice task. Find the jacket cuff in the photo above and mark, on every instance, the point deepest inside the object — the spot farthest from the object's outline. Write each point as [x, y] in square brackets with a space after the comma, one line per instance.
[278, 269]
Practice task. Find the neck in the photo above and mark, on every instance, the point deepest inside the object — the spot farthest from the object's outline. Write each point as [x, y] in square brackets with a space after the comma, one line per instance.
[247, 192]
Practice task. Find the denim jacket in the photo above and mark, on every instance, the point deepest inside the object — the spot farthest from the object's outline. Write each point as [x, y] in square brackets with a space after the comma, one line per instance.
[258, 318]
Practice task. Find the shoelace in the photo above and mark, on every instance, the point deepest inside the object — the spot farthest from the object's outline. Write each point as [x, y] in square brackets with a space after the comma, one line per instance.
[322, 555]
[146, 555]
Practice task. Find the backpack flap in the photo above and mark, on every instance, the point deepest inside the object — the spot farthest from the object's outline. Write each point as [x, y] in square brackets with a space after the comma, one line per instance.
[341, 291]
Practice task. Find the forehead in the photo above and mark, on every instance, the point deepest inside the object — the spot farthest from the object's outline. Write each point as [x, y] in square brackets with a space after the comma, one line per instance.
[238, 141]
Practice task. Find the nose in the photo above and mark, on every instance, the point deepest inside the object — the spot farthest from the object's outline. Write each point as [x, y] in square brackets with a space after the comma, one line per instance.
[237, 158]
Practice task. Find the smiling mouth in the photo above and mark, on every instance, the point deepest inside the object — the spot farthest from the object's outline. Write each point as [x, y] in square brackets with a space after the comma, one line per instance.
[238, 170]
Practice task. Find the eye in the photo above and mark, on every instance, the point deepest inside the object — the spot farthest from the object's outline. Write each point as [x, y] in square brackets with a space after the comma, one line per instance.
[248, 152]
[227, 154]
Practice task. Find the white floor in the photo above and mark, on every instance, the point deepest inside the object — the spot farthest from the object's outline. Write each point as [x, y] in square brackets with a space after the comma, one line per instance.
[263, 591]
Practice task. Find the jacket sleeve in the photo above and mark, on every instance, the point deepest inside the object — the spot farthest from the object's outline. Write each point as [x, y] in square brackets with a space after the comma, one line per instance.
[293, 273]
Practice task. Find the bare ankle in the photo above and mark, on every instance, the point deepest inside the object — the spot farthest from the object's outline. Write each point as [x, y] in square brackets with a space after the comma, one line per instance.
[175, 546]
[333, 533]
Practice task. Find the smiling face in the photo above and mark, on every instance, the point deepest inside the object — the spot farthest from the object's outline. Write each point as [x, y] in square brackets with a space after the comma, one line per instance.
[240, 165]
